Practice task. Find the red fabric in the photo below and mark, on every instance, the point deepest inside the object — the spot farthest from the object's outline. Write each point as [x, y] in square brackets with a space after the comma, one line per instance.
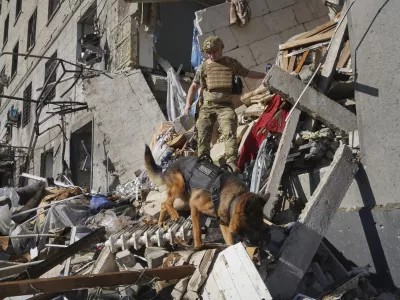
[266, 121]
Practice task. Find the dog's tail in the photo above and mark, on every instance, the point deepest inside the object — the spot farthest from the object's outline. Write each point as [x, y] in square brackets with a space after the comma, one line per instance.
[153, 170]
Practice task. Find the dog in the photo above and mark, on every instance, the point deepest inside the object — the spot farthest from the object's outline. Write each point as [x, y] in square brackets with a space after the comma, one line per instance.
[240, 212]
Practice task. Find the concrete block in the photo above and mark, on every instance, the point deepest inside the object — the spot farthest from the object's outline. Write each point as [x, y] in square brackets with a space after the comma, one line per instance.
[314, 103]
[212, 18]
[253, 84]
[312, 24]
[265, 49]
[258, 8]
[255, 30]
[306, 235]
[280, 20]
[279, 4]
[291, 32]
[280, 160]
[320, 9]
[155, 256]
[332, 57]
[243, 55]
[105, 262]
[125, 259]
[304, 11]
[227, 37]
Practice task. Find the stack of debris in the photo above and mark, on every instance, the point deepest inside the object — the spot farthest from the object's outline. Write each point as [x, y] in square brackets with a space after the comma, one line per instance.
[110, 246]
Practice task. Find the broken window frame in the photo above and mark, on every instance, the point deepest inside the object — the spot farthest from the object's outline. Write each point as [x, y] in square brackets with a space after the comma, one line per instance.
[5, 31]
[26, 107]
[14, 61]
[50, 76]
[32, 23]
[53, 7]
[18, 10]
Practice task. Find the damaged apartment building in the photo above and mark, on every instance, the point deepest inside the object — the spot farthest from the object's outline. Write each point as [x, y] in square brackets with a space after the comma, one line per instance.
[96, 75]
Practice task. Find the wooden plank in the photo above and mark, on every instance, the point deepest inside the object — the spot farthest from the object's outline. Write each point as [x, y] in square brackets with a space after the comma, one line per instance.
[307, 41]
[58, 257]
[332, 57]
[252, 272]
[280, 160]
[285, 60]
[292, 60]
[330, 24]
[241, 280]
[301, 62]
[344, 57]
[68, 283]
[224, 280]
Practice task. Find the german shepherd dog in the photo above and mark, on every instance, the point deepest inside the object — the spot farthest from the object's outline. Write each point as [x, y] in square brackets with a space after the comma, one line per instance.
[240, 212]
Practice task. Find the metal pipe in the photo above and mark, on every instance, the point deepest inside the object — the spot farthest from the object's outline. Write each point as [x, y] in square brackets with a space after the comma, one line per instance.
[38, 178]
[32, 235]
[44, 206]
[56, 246]
[32, 263]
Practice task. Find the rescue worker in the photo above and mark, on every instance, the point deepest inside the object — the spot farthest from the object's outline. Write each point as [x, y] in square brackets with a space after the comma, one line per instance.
[214, 76]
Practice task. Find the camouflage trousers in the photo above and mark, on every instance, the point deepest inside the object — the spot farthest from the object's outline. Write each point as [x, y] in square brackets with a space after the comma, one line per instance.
[227, 121]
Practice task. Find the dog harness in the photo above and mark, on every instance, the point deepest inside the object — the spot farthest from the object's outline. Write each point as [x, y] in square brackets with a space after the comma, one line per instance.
[207, 176]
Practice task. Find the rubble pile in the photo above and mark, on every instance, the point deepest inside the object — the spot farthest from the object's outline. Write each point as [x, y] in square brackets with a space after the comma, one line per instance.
[89, 245]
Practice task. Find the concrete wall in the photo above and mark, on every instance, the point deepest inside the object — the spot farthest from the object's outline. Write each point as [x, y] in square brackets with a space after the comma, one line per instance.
[272, 23]
[366, 228]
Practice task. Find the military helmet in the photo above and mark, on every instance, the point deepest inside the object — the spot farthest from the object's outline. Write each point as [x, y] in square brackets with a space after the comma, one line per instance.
[212, 43]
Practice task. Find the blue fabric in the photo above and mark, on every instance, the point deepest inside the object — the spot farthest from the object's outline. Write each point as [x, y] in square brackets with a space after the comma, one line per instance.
[196, 53]
[99, 202]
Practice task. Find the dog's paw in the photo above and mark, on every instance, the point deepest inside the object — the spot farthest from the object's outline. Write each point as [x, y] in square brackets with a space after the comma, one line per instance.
[198, 248]
[175, 216]
[160, 224]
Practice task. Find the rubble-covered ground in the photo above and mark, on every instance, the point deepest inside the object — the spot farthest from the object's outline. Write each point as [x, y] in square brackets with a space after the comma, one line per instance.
[60, 240]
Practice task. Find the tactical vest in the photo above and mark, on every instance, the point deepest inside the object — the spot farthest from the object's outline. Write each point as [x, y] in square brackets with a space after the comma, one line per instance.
[219, 76]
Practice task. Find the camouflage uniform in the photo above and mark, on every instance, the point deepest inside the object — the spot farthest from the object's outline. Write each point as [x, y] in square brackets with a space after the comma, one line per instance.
[218, 106]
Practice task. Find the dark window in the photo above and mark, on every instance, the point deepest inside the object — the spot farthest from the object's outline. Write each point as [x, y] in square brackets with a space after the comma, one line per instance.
[46, 164]
[26, 108]
[18, 8]
[5, 32]
[32, 30]
[53, 6]
[14, 65]
[51, 64]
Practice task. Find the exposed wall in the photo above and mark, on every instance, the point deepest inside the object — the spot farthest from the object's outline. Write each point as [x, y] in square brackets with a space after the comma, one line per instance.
[60, 33]
[272, 22]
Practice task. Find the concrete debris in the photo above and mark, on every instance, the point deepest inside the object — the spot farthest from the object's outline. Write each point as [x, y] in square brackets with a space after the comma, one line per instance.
[299, 148]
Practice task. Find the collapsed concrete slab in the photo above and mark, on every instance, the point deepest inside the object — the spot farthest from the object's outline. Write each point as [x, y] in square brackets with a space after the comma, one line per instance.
[314, 103]
[280, 160]
[306, 235]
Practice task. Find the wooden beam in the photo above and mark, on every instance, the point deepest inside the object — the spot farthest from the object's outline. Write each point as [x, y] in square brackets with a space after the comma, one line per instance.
[307, 41]
[69, 283]
[58, 257]
[344, 57]
[331, 24]
[292, 60]
[301, 62]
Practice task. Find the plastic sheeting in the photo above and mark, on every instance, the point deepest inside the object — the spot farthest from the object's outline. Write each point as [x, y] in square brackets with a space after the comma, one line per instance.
[72, 213]
[176, 96]
[197, 58]
[5, 211]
